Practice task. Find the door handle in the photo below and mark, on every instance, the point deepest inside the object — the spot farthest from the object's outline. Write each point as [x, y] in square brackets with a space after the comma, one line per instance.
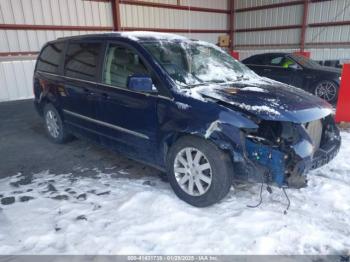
[267, 70]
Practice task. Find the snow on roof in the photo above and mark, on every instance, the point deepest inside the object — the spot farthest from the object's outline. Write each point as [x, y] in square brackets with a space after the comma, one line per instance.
[137, 35]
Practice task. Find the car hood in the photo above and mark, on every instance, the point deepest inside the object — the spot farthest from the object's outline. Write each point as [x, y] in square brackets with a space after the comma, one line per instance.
[268, 100]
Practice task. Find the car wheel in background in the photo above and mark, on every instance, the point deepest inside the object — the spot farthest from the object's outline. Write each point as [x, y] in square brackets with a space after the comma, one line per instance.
[199, 172]
[327, 90]
[54, 125]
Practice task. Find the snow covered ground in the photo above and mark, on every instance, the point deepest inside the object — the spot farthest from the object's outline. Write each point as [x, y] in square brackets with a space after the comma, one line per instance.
[115, 214]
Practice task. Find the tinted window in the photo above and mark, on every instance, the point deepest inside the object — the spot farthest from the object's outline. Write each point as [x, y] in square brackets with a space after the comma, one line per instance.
[82, 60]
[49, 59]
[120, 63]
[255, 60]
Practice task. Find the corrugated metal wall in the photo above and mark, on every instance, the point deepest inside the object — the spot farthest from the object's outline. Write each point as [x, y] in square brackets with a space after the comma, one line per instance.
[16, 76]
[318, 39]
[48, 12]
[16, 79]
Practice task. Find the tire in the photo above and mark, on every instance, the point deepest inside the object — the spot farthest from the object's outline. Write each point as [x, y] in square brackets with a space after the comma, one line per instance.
[54, 125]
[327, 90]
[219, 175]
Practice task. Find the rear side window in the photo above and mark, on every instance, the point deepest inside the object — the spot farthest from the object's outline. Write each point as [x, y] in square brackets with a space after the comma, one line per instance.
[82, 60]
[50, 57]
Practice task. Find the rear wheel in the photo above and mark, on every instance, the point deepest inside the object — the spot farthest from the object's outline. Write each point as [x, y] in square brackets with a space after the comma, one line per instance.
[327, 90]
[54, 125]
[198, 171]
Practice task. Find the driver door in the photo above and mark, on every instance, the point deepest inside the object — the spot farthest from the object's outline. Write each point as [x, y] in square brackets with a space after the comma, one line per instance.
[129, 117]
[283, 69]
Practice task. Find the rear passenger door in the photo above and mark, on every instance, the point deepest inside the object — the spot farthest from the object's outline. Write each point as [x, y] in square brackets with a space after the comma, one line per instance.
[81, 67]
[129, 117]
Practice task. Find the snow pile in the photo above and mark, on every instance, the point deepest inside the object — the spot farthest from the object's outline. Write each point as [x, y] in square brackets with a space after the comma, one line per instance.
[113, 214]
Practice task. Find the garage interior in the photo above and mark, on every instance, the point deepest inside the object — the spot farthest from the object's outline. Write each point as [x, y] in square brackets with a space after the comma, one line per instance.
[83, 189]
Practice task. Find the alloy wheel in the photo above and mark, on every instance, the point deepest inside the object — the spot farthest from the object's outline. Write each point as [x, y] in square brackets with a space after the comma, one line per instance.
[327, 90]
[52, 123]
[193, 171]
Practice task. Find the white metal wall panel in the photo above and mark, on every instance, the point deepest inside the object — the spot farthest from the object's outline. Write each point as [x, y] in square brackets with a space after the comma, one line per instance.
[32, 40]
[329, 11]
[328, 34]
[252, 3]
[16, 79]
[151, 17]
[330, 53]
[215, 4]
[56, 12]
[289, 36]
[290, 15]
[211, 38]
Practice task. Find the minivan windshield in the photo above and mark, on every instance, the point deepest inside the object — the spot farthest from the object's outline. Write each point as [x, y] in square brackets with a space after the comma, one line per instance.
[192, 63]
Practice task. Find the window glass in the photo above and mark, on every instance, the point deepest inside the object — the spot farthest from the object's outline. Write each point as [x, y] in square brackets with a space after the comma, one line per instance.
[192, 63]
[49, 59]
[82, 60]
[276, 60]
[283, 61]
[120, 63]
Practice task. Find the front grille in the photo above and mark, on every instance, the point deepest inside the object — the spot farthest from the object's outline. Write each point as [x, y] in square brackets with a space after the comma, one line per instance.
[314, 130]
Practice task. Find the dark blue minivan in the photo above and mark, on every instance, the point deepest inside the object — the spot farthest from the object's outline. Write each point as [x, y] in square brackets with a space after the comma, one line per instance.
[185, 107]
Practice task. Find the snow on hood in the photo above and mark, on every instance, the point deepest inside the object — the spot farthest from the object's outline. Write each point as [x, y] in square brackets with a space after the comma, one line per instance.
[267, 99]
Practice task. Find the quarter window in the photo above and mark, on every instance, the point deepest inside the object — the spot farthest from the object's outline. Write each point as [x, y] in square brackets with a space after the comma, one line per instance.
[120, 63]
[82, 60]
[49, 60]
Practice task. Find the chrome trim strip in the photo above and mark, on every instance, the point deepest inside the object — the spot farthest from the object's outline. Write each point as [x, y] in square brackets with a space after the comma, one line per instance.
[115, 87]
[106, 124]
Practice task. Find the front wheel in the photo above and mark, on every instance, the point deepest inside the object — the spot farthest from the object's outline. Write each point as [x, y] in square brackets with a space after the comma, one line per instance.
[327, 90]
[199, 172]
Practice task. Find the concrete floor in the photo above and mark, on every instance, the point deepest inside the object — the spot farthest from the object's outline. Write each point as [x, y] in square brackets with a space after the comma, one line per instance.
[25, 148]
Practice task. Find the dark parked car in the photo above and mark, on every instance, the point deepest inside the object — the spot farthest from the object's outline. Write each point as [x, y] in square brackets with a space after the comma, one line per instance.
[299, 71]
[185, 107]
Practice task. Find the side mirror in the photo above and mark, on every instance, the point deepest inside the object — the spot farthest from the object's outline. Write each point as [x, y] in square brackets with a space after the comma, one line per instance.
[140, 83]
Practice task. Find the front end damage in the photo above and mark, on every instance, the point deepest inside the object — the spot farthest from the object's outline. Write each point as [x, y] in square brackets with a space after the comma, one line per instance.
[281, 153]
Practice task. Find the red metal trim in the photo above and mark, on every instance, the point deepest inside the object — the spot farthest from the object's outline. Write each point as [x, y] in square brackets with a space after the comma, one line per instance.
[106, 28]
[54, 27]
[268, 45]
[283, 4]
[171, 6]
[295, 45]
[326, 24]
[232, 22]
[269, 28]
[304, 25]
[2, 54]
[116, 15]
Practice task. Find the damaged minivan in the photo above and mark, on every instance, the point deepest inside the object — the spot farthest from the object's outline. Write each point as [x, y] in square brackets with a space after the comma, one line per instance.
[185, 107]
